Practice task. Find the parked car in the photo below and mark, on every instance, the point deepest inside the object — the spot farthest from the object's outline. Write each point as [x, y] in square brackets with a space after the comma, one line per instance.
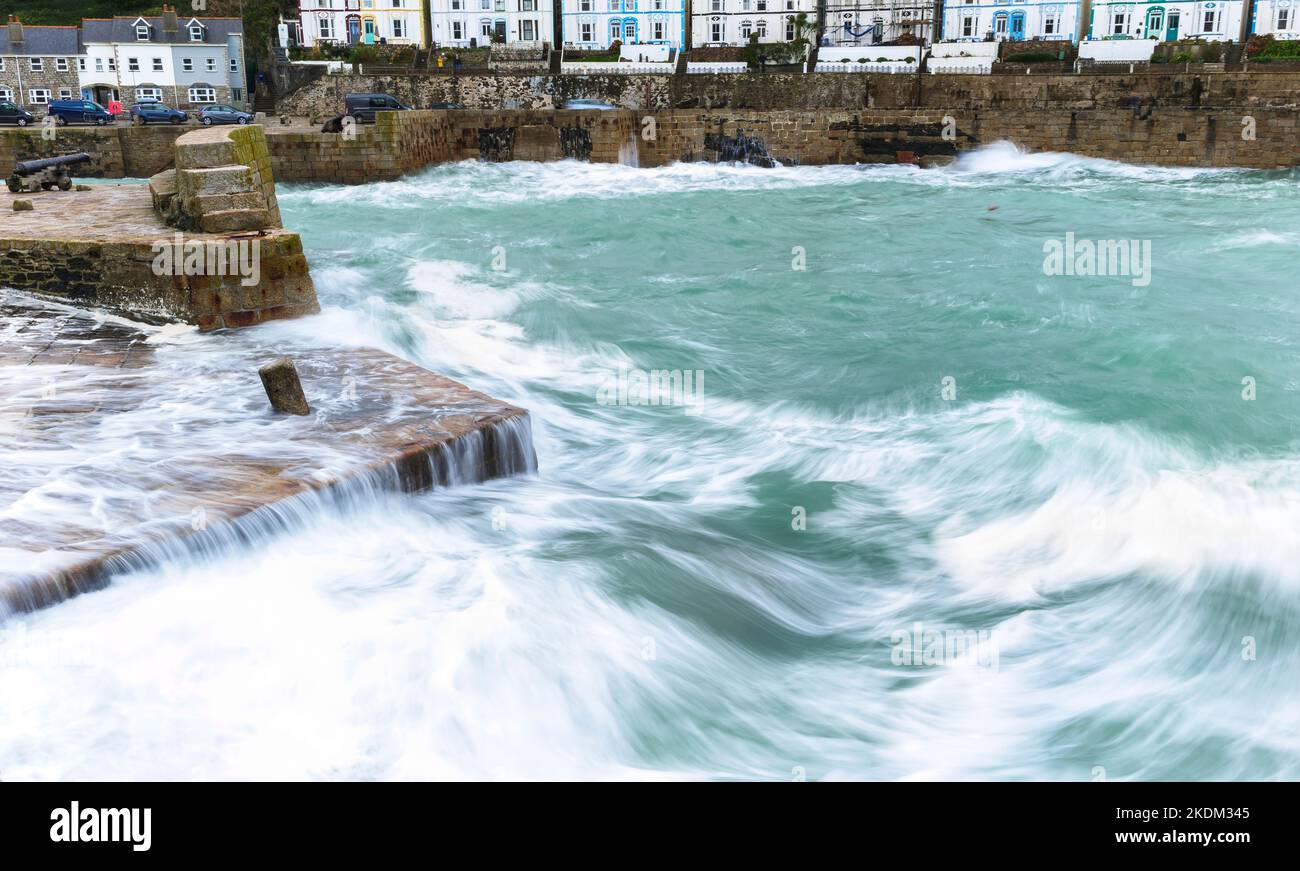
[210, 115]
[362, 108]
[445, 106]
[13, 114]
[78, 112]
[588, 104]
[157, 113]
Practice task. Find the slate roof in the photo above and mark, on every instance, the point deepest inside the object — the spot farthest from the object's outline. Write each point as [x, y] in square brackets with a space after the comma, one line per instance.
[41, 40]
[122, 29]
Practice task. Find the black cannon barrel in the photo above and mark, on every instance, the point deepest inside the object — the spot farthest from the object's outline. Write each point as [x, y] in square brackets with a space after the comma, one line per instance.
[30, 166]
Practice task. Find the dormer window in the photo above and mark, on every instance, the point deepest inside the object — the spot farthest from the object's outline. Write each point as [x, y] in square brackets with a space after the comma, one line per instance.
[196, 30]
[142, 31]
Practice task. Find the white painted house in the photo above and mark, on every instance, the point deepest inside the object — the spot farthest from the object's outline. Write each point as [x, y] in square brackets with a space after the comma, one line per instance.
[872, 22]
[362, 22]
[1277, 18]
[464, 23]
[730, 22]
[591, 24]
[185, 62]
[1010, 20]
[1212, 20]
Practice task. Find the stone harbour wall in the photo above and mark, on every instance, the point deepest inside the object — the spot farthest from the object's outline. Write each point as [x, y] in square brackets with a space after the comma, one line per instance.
[1259, 88]
[115, 152]
[403, 142]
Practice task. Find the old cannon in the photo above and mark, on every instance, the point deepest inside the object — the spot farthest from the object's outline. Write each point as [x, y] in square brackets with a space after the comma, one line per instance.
[45, 173]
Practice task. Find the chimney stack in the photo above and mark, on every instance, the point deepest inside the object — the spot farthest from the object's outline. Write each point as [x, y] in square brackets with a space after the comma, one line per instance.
[169, 19]
[15, 29]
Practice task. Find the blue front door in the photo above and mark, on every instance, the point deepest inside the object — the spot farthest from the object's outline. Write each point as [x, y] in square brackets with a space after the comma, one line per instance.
[1017, 26]
[354, 30]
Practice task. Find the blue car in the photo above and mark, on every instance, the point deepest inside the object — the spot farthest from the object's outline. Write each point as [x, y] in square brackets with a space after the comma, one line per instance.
[157, 113]
[220, 114]
[78, 112]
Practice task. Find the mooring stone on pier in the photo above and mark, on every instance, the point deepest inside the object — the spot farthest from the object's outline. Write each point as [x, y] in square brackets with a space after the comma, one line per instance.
[283, 387]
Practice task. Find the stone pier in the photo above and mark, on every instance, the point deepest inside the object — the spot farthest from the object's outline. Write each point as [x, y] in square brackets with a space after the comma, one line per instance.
[125, 444]
[201, 243]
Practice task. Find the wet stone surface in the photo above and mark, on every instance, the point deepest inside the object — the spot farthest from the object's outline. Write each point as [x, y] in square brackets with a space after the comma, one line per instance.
[115, 437]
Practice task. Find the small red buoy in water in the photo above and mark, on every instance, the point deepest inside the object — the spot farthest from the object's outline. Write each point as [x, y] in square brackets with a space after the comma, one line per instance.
[993, 207]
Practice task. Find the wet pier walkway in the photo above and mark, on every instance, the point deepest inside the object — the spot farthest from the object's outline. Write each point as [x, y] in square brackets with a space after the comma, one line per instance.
[122, 443]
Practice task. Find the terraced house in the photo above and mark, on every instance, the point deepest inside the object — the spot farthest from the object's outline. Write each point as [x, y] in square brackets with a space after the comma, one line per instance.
[363, 22]
[185, 62]
[1010, 20]
[598, 23]
[1212, 20]
[872, 22]
[465, 23]
[1276, 18]
[38, 64]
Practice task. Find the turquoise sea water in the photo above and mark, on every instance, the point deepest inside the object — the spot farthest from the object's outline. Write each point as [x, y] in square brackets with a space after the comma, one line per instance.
[919, 432]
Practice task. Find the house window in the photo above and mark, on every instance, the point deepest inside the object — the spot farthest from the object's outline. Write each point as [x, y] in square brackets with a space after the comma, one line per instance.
[715, 6]
[142, 32]
[133, 64]
[187, 64]
[399, 28]
[485, 28]
[1049, 24]
[527, 31]
[499, 5]
[615, 30]
[6, 95]
[65, 93]
[202, 94]
[143, 94]
[746, 28]
[112, 64]
[157, 65]
[615, 5]
[745, 4]
[1211, 20]
[2, 64]
[716, 31]
[234, 64]
[584, 5]
[1283, 18]
[1117, 24]
[39, 96]
[326, 28]
[968, 25]
[586, 33]
[61, 64]
[99, 65]
[81, 64]
[657, 30]
[789, 5]
[196, 33]
[455, 5]
[211, 64]
[761, 4]
[527, 5]
[484, 4]
[38, 65]
[761, 28]
[457, 30]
